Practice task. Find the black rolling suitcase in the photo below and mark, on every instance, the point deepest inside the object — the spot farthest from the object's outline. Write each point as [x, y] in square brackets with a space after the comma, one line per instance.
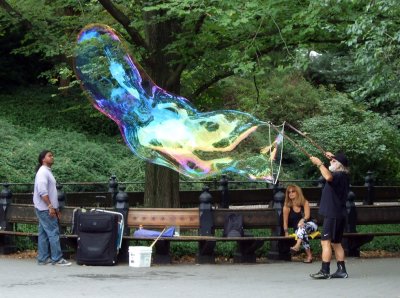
[99, 236]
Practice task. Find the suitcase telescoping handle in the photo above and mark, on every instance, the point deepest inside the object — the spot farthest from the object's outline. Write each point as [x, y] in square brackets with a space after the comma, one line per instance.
[121, 222]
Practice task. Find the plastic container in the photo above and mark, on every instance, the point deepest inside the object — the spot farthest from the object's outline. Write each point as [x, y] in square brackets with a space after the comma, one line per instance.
[140, 256]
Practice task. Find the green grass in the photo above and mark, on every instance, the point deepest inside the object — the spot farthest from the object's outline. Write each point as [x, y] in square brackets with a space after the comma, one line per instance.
[388, 243]
[25, 243]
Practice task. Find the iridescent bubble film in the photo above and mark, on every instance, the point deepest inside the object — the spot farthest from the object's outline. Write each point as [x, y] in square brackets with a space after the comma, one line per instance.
[164, 128]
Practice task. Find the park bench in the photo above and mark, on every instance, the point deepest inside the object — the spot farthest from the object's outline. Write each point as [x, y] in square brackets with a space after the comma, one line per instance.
[202, 223]
[380, 206]
[158, 218]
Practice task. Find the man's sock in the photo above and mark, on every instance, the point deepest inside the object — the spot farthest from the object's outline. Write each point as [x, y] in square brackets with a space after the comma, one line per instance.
[341, 266]
[326, 267]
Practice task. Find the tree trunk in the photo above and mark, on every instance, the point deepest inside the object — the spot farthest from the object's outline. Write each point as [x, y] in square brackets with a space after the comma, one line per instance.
[161, 188]
[161, 183]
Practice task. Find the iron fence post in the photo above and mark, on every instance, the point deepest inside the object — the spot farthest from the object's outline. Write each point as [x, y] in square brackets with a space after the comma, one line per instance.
[206, 253]
[370, 184]
[225, 201]
[7, 243]
[279, 250]
[113, 188]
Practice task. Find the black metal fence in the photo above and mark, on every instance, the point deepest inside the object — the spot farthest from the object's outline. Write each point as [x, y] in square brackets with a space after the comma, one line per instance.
[185, 185]
[225, 192]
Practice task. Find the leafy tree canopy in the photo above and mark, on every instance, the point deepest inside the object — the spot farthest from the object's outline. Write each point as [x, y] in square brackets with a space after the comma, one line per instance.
[374, 38]
[212, 39]
[206, 42]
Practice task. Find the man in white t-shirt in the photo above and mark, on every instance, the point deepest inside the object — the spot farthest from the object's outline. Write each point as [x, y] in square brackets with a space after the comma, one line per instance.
[46, 207]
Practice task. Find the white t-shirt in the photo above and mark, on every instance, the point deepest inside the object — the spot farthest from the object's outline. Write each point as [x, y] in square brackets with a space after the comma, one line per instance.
[45, 184]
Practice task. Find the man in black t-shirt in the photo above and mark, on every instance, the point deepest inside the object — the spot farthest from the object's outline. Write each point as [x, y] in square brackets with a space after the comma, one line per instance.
[333, 209]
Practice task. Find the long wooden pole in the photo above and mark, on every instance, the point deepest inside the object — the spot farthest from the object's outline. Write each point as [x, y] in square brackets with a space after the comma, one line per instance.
[307, 137]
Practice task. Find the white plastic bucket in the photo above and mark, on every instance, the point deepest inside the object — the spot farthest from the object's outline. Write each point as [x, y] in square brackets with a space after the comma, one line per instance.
[139, 256]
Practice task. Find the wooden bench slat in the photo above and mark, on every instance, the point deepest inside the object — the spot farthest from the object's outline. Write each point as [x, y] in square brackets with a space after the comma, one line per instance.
[32, 234]
[162, 217]
[189, 217]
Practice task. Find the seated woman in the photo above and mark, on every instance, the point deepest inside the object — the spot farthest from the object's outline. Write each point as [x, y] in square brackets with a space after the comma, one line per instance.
[296, 215]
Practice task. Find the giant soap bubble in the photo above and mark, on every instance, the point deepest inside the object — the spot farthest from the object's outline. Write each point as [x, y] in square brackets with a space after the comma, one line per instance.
[164, 128]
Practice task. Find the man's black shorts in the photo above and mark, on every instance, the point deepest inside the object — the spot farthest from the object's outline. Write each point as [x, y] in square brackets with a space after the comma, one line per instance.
[333, 229]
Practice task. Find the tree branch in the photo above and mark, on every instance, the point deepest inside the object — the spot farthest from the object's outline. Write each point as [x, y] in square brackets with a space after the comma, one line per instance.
[175, 75]
[226, 74]
[214, 80]
[13, 13]
[199, 23]
[125, 22]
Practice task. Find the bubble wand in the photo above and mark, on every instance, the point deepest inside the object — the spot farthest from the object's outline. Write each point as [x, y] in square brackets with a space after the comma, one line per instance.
[292, 141]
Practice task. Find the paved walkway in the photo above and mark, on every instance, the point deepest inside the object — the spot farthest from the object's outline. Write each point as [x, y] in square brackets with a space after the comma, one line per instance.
[368, 278]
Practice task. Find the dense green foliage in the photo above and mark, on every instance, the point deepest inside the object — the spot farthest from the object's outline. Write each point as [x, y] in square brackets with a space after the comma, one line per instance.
[45, 107]
[284, 96]
[88, 146]
[331, 118]
[216, 39]
[374, 38]
[32, 121]
[369, 140]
